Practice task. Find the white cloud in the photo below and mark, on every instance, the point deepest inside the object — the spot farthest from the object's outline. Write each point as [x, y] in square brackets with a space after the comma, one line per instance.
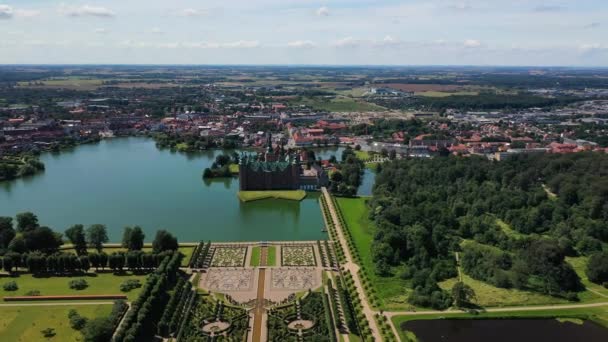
[86, 10]
[323, 11]
[347, 42]
[242, 44]
[588, 47]
[472, 43]
[302, 44]
[6, 12]
[156, 30]
[191, 12]
[101, 31]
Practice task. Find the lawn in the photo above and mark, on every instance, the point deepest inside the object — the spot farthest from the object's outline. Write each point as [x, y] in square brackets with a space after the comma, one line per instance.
[234, 168]
[392, 291]
[489, 296]
[293, 195]
[99, 284]
[597, 314]
[363, 155]
[506, 228]
[446, 94]
[271, 258]
[255, 256]
[25, 323]
[579, 264]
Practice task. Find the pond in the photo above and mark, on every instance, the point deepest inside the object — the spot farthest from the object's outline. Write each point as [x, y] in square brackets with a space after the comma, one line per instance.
[505, 330]
[128, 181]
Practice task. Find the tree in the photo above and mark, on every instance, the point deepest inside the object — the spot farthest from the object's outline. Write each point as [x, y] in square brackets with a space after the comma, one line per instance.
[42, 239]
[597, 267]
[26, 221]
[98, 330]
[7, 232]
[463, 294]
[17, 244]
[97, 235]
[77, 237]
[133, 238]
[164, 241]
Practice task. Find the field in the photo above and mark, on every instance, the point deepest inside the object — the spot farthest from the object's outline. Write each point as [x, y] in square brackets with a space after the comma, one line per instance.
[99, 284]
[417, 88]
[597, 314]
[446, 93]
[391, 291]
[294, 195]
[25, 323]
[74, 83]
[234, 168]
[488, 295]
[363, 155]
[339, 104]
[579, 264]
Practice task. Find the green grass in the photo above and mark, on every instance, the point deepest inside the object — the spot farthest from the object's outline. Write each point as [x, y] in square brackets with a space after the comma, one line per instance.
[391, 291]
[294, 195]
[580, 264]
[25, 323]
[255, 256]
[234, 168]
[510, 232]
[363, 155]
[99, 284]
[491, 296]
[271, 259]
[597, 314]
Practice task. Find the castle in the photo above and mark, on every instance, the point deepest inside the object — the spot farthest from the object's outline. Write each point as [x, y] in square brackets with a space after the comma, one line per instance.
[276, 169]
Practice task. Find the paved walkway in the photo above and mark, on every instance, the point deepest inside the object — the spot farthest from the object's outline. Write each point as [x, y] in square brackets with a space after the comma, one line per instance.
[56, 304]
[352, 267]
[508, 309]
[259, 330]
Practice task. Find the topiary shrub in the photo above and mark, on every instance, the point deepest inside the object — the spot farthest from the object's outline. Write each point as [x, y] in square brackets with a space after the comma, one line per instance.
[10, 286]
[33, 293]
[129, 285]
[78, 284]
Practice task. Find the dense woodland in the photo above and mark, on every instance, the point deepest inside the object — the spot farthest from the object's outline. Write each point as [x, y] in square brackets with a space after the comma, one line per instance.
[515, 221]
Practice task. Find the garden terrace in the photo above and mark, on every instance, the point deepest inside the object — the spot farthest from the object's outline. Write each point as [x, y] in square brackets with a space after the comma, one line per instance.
[233, 256]
[210, 320]
[298, 255]
[308, 319]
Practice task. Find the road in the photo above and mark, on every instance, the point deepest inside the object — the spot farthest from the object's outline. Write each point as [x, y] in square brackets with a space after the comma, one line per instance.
[353, 268]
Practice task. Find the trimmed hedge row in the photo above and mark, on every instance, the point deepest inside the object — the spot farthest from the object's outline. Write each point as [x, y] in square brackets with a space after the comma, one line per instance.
[74, 297]
[174, 310]
[140, 321]
[199, 255]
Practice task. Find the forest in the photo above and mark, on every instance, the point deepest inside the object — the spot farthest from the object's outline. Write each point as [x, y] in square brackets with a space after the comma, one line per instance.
[514, 221]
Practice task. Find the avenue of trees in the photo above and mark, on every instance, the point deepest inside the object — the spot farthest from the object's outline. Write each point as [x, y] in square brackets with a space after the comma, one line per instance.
[26, 244]
[553, 206]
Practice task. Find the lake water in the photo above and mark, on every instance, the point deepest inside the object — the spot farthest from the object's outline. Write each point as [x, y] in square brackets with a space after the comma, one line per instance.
[128, 181]
[505, 330]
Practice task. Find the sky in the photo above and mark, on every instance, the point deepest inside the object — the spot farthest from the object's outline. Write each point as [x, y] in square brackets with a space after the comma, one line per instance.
[332, 32]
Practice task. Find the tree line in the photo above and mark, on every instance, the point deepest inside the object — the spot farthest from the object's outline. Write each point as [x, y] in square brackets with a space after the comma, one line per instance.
[425, 209]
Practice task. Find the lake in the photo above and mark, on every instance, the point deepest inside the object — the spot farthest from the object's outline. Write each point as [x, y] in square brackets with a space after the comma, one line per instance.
[128, 181]
[505, 330]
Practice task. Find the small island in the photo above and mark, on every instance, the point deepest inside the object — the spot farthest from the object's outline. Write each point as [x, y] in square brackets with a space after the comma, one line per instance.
[293, 195]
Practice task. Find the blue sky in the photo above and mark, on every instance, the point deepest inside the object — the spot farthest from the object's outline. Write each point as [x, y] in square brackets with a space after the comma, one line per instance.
[408, 32]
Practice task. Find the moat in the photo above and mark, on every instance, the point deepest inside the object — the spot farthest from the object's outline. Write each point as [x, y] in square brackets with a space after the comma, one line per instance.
[128, 181]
